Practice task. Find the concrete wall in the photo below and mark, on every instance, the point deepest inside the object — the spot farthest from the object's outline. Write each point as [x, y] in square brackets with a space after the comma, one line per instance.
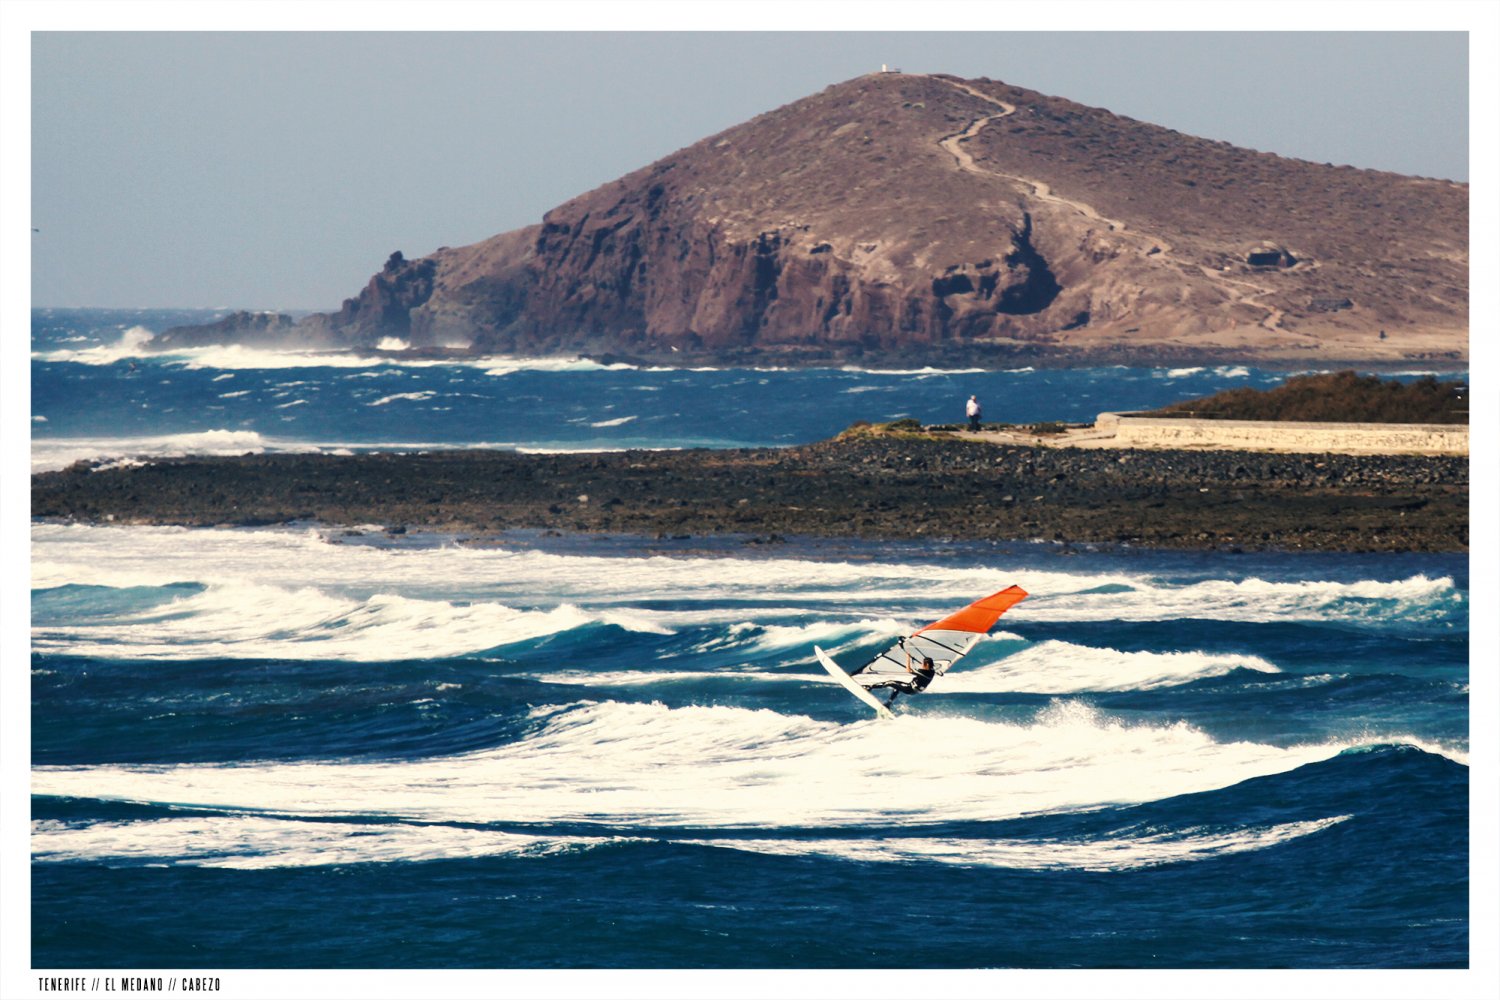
[1127, 431]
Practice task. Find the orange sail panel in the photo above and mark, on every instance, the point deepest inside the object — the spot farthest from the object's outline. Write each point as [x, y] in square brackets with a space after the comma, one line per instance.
[980, 616]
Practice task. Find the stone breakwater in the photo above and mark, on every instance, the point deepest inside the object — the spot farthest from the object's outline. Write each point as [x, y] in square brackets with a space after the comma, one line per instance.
[1126, 430]
[879, 488]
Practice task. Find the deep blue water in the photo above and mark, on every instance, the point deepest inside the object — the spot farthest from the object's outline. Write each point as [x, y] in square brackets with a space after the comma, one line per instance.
[98, 391]
[333, 750]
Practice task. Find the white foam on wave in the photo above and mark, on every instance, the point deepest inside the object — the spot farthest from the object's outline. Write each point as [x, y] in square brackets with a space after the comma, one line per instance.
[120, 463]
[588, 448]
[912, 597]
[394, 397]
[110, 556]
[1109, 854]
[1056, 667]
[832, 635]
[502, 366]
[258, 620]
[58, 453]
[135, 344]
[641, 678]
[257, 842]
[924, 371]
[646, 764]
[616, 422]
[1256, 600]
[260, 842]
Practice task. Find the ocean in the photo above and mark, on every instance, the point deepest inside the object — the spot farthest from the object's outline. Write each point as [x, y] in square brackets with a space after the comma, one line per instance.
[321, 747]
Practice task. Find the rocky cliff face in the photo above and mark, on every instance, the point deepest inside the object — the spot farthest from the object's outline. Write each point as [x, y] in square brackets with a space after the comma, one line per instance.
[931, 217]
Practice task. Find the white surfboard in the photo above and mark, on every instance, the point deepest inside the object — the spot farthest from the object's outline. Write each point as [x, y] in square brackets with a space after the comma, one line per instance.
[837, 673]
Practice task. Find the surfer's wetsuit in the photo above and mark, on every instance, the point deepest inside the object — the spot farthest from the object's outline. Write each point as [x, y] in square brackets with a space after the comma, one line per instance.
[921, 676]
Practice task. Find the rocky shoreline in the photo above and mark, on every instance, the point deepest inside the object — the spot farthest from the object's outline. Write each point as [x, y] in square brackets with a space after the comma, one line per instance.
[918, 487]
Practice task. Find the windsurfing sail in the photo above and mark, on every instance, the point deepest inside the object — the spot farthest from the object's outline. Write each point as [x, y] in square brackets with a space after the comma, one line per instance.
[947, 641]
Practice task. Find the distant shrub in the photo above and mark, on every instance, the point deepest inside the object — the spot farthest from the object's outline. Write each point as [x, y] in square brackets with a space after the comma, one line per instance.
[1339, 397]
[907, 425]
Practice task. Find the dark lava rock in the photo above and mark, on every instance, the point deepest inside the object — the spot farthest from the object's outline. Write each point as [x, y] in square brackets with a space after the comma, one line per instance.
[875, 488]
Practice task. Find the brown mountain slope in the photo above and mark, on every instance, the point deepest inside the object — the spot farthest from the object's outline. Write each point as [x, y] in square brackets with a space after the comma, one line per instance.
[900, 215]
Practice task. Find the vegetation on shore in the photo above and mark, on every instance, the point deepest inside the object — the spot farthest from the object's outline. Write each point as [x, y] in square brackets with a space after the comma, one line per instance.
[1336, 397]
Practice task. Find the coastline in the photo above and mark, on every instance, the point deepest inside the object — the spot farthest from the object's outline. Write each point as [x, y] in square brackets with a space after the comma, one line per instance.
[891, 488]
[985, 357]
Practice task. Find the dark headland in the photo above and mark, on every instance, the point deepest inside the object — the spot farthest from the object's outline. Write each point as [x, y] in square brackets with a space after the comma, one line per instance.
[902, 217]
[899, 218]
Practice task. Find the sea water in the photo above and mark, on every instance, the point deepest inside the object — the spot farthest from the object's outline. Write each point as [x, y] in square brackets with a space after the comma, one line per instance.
[99, 391]
[317, 746]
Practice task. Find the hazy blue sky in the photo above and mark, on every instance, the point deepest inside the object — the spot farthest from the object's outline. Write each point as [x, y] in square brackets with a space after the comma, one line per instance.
[278, 170]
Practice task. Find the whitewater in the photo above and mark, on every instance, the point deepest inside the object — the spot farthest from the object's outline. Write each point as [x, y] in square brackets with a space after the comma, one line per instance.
[356, 748]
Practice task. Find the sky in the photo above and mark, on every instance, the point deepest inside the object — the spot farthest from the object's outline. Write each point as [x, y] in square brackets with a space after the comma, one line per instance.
[278, 170]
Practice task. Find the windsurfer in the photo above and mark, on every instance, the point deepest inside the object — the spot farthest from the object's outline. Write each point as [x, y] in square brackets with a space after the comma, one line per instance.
[922, 676]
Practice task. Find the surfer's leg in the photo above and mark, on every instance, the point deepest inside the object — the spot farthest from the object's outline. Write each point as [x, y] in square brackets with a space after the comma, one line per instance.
[895, 693]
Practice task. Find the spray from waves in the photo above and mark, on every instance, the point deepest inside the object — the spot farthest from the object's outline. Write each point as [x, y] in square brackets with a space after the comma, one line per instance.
[645, 764]
[1056, 667]
[49, 455]
[261, 842]
[259, 621]
[135, 344]
[131, 344]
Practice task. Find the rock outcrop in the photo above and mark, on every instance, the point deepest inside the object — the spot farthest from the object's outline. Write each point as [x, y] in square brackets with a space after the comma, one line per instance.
[900, 215]
[259, 329]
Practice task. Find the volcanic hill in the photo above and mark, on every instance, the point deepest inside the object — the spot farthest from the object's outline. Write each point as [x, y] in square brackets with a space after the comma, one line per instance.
[926, 217]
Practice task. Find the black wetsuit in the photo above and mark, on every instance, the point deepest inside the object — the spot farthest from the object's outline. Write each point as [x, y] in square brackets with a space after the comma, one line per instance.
[920, 678]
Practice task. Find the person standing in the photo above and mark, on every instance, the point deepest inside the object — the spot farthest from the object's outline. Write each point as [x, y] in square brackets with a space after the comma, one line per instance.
[973, 412]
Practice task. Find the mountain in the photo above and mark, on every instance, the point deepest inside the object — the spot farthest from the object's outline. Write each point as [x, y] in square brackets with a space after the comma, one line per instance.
[927, 217]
